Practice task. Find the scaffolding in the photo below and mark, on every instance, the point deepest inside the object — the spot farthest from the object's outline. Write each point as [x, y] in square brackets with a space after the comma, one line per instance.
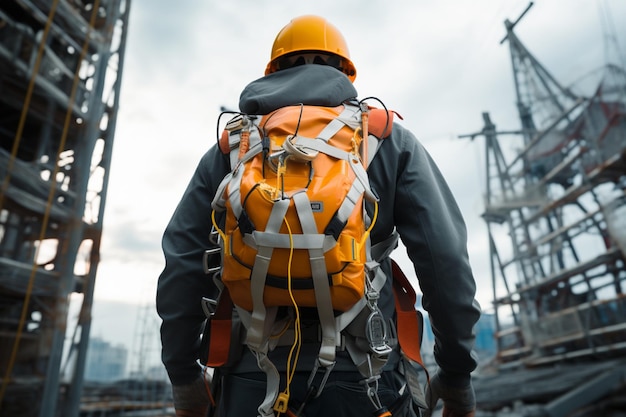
[61, 64]
[555, 188]
[555, 211]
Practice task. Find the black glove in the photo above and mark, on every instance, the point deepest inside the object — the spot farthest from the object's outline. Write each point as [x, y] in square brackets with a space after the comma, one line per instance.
[191, 400]
[457, 401]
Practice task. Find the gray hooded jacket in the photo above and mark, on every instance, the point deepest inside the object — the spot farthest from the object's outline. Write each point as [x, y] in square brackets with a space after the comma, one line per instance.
[414, 199]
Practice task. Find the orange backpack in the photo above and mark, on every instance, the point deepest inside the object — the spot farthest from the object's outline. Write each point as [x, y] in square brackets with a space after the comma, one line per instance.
[295, 219]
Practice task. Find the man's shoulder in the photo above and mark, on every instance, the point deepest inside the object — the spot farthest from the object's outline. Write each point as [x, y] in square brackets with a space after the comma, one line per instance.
[401, 139]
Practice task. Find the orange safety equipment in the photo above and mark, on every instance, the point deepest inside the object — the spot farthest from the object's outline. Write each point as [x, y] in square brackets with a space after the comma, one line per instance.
[310, 34]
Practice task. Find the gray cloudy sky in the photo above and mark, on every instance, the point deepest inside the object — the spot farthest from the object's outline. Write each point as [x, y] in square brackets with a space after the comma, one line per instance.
[438, 63]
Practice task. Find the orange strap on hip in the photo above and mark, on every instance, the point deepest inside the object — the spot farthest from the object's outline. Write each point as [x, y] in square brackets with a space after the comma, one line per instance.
[221, 330]
[409, 327]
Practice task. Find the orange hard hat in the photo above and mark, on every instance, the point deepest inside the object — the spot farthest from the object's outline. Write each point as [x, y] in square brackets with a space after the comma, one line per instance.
[310, 34]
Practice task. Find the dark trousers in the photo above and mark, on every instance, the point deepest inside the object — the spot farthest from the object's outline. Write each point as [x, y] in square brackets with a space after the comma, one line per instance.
[343, 395]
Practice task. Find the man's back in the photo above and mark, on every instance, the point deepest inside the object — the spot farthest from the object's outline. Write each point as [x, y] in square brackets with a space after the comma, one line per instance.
[413, 199]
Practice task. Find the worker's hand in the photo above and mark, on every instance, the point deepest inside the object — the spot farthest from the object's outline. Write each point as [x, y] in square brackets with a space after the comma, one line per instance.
[191, 400]
[457, 402]
[200, 412]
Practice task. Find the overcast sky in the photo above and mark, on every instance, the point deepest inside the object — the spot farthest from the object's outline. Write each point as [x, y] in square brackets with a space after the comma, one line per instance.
[439, 64]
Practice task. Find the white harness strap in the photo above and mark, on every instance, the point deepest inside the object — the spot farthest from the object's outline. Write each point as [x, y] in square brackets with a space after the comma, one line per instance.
[356, 166]
[260, 326]
[330, 337]
[349, 116]
[233, 181]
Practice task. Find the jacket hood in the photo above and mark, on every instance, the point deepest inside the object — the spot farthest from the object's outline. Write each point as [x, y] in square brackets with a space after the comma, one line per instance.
[314, 85]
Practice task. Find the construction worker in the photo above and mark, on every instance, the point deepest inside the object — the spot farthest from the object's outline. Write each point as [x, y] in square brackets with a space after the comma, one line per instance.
[310, 64]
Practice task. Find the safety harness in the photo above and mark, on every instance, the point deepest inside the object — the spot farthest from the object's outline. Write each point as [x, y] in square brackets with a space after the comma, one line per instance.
[360, 328]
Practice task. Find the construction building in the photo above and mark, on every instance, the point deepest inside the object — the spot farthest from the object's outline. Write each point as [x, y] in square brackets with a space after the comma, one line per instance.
[61, 66]
[555, 211]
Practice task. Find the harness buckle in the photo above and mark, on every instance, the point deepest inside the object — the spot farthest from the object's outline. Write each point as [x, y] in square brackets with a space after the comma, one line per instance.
[214, 236]
[208, 306]
[211, 260]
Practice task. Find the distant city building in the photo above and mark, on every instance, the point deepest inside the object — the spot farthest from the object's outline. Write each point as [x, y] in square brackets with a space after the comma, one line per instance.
[151, 373]
[157, 373]
[105, 362]
[485, 340]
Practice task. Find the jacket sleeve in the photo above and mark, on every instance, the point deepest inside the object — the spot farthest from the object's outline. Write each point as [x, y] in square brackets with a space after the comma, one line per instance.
[432, 229]
[183, 282]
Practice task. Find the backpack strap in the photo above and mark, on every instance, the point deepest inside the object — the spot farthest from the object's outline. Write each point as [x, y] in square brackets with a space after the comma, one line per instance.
[242, 135]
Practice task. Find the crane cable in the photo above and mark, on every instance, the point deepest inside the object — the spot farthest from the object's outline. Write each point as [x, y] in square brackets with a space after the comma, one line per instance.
[51, 193]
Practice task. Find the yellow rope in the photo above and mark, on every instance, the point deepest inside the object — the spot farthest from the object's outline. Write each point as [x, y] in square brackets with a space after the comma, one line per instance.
[221, 233]
[297, 329]
[297, 342]
[44, 224]
[369, 229]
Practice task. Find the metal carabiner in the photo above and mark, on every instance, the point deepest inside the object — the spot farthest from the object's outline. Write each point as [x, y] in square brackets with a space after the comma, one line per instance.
[376, 334]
